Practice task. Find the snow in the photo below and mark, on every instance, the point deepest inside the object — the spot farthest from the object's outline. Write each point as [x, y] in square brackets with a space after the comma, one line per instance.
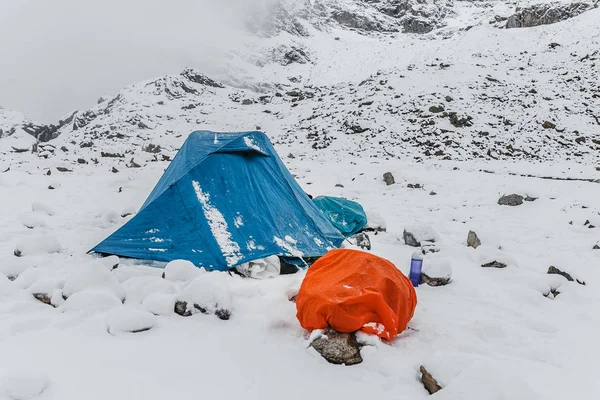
[93, 275]
[182, 271]
[90, 301]
[128, 319]
[38, 244]
[489, 334]
[218, 227]
[40, 207]
[159, 303]
[436, 267]
[210, 291]
[23, 385]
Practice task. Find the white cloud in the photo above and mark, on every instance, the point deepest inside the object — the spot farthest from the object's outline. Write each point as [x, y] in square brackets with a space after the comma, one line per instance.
[61, 55]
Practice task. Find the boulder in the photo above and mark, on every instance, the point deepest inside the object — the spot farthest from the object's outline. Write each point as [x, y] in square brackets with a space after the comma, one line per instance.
[410, 240]
[338, 348]
[436, 272]
[511, 200]
[416, 236]
[473, 240]
[388, 178]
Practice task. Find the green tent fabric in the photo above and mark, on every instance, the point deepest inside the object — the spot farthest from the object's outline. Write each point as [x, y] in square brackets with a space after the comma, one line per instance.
[346, 215]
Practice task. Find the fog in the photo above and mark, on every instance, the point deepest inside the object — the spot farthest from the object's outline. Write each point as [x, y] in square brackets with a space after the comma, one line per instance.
[61, 55]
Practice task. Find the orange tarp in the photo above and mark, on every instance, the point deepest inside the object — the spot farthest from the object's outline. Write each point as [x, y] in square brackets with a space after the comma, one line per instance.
[351, 290]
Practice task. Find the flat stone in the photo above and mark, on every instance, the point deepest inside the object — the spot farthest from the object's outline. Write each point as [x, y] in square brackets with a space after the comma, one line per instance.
[429, 382]
[494, 264]
[431, 281]
[338, 348]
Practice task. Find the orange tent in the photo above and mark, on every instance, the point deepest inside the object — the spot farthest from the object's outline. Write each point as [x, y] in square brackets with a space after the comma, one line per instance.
[351, 290]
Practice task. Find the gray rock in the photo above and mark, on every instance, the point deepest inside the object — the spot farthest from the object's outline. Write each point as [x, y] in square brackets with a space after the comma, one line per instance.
[436, 109]
[511, 200]
[545, 14]
[529, 198]
[596, 247]
[43, 297]
[429, 382]
[363, 241]
[338, 348]
[548, 125]
[555, 271]
[410, 240]
[182, 309]
[133, 164]
[152, 148]
[494, 264]
[433, 281]
[473, 240]
[388, 178]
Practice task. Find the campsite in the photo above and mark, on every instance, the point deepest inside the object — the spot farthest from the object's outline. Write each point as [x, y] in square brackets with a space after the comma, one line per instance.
[340, 207]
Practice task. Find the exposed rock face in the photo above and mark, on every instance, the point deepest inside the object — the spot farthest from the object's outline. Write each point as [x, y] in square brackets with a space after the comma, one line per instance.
[545, 14]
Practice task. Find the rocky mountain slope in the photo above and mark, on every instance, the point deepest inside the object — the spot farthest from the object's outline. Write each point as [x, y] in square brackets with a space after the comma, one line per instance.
[470, 90]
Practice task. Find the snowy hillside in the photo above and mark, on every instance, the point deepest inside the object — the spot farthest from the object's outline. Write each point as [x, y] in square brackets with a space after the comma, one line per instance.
[460, 106]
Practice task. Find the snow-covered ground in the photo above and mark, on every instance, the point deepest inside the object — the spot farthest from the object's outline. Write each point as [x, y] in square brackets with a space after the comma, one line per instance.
[361, 107]
[491, 333]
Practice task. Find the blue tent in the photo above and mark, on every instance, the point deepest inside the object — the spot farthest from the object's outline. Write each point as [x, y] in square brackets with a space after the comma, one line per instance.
[225, 199]
[346, 215]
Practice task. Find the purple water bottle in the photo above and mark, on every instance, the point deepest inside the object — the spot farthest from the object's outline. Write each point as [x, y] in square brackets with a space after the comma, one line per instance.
[416, 264]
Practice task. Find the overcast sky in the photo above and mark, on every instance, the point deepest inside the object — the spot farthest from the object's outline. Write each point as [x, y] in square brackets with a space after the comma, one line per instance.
[61, 55]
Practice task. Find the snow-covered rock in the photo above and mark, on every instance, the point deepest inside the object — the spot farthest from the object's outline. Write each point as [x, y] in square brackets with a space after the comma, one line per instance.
[39, 207]
[415, 235]
[32, 221]
[110, 262]
[436, 271]
[7, 287]
[182, 271]
[89, 301]
[129, 319]
[92, 275]
[159, 303]
[139, 287]
[13, 267]
[23, 385]
[37, 244]
[208, 293]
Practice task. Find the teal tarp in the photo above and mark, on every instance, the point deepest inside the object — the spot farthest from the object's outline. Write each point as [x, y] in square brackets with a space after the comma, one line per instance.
[346, 215]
